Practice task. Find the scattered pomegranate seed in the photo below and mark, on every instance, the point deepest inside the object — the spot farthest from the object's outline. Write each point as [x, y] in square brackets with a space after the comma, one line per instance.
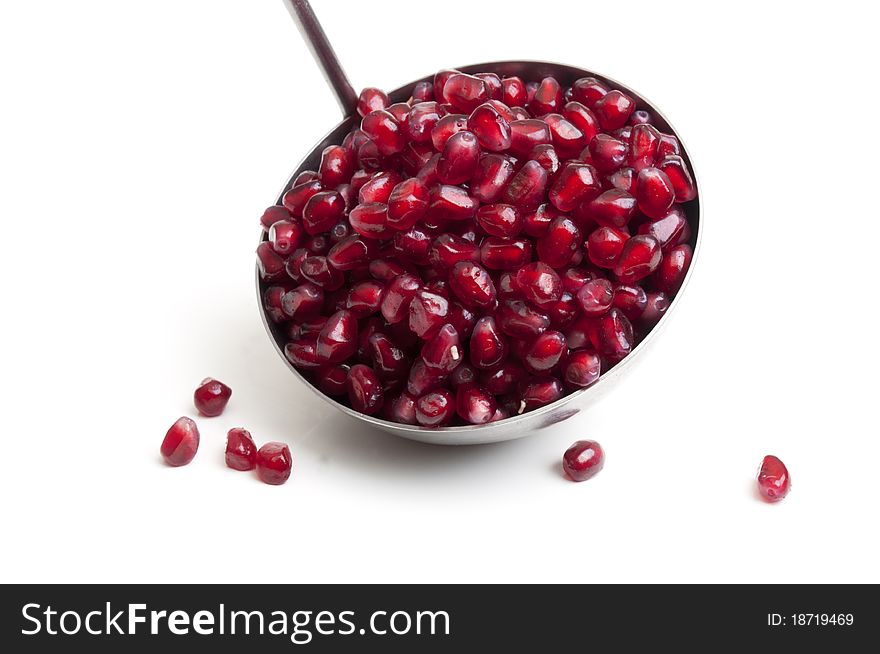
[583, 460]
[273, 462]
[181, 442]
[211, 397]
[241, 452]
[774, 482]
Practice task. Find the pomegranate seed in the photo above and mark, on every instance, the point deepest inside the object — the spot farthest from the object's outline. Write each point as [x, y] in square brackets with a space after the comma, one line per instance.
[643, 146]
[378, 188]
[623, 179]
[774, 482]
[604, 246]
[588, 90]
[487, 347]
[211, 397]
[332, 379]
[435, 408]
[539, 392]
[384, 131]
[505, 253]
[614, 334]
[632, 300]
[582, 368]
[269, 264]
[567, 138]
[446, 128]
[395, 303]
[336, 166]
[576, 183]
[547, 99]
[322, 211]
[640, 257]
[451, 203]
[458, 161]
[513, 92]
[679, 176]
[385, 270]
[443, 352]
[674, 266]
[423, 379]
[537, 222]
[302, 354]
[272, 303]
[559, 244]
[449, 249]
[274, 463]
[472, 285]
[655, 308]
[351, 252]
[364, 389]
[463, 374]
[389, 361]
[372, 99]
[493, 173]
[669, 230]
[427, 313]
[499, 220]
[547, 156]
[465, 92]
[613, 208]
[654, 192]
[241, 452]
[539, 283]
[490, 127]
[526, 134]
[318, 270]
[583, 460]
[639, 117]
[668, 145]
[493, 84]
[607, 153]
[440, 79]
[526, 189]
[583, 119]
[613, 109]
[519, 320]
[365, 298]
[595, 297]
[339, 232]
[423, 92]
[401, 408]
[475, 405]
[544, 352]
[338, 338]
[421, 120]
[407, 204]
[503, 378]
[181, 443]
[371, 221]
[273, 215]
[295, 199]
[413, 245]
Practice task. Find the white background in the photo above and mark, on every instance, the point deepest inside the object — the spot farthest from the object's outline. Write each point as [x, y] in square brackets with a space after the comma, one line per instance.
[141, 142]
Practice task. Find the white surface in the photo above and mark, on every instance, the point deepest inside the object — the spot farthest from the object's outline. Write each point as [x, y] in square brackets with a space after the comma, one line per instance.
[140, 144]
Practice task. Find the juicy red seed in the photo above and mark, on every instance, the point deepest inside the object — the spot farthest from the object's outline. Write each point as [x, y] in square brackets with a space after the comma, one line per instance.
[273, 215]
[318, 245]
[446, 128]
[493, 173]
[487, 347]
[295, 199]
[580, 333]
[400, 111]
[421, 120]
[641, 255]
[440, 79]
[640, 117]
[472, 285]
[372, 99]
[582, 118]
[582, 368]
[407, 204]
[423, 379]
[613, 109]
[490, 127]
[465, 92]
[679, 176]
[539, 392]
[181, 443]
[451, 203]
[401, 408]
[371, 221]
[322, 211]
[673, 268]
[378, 188]
[413, 245]
[544, 352]
[427, 313]
[539, 283]
[614, 334]
[563, 311]
[274, 463]
[364, 389]
[670, 230]
[613, 208]
[526, 189]
[774, 482]
[423, 92]
[395, 303]
[463, 374]
[623, 178]
[436, 408]
[332, 379]
[547, 156]
[607, 153]
[547, 99]
[519, 320]
[336, 166]
[537, 222]
[302, 355]
[338, 338]
[351, 252]
[567, 138]
[526, 134]
[499, 253]
[241, 452]
[389, 361]
[272, 303]
[604, 246]
[499, 220]
[365, 298]
[369, 157]
[318, 271]
[449, 249]
[632, 300]
[559, 244]
[643, 146]
[583, 460]
[576, 183]
[588, 90]
[655, 307]
[340, 231]
[503, 378]
[269, 263]
[513, 92]
[443, 351]
[595, 297]
[384, 131]
[385, 270]
[574, 278]
[493, 84]
[211, 397]
[475, 405]
[458, 161]
[654, 192]
[668, 145]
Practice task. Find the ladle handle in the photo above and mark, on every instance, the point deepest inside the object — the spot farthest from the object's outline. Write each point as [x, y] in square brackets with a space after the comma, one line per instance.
[314, 36]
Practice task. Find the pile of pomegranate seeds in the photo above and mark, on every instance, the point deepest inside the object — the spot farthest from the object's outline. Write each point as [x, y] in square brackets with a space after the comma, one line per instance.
[479, 250]
[774, 482]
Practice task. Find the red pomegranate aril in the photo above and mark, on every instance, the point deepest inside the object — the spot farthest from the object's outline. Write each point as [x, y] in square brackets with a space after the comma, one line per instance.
[526, 134]
[537, 222]
[446, 128]
[338, 338]
[273, 215]
[547, 156]
[499, 253]
[595, 297]
[464, 374]
[423, 92]
[443, 351]
[568, 139]
[384, 131]
[499, 220]
[241, 451]
[604, 246]
[539, 283]
[449, 202]
[607, 153]
[318, 271]
[613, 110]
[672, 269]
[369, 157]
[274, 463]
[582, 368]
[322, 211]
[423, 379]
[435, 408]
[413, 245]
[583, 119]
[371, 221]
[613, 334]
[562, 312]
[655, 308]
[502, 378]
[401, 409]
[544, 352]
[211, 397]
[400, 111]
[493, 173]
[670, 230]
[449, 249]
[364, 389]
[513, 92]
[378, 188]
[539, 392]
[181, 442]
[440, 79]
[336, 166]
[640, 117]
[641, 255]
[421, 120]
[668, 145]
[285, 236]
[272, 303]
[475, 405]
[318, 244]
[395, 303]
[372, 99]
[384, 270]
[389, 361]
[332, 379]
[493, 84]
[623, 179]
[491, 129]
[308, 175]
[269, 263]
[588, 90]
[465, 92]
[472, 285]
[576, 183]
[339, 232]
[574, 278]
[643, 146]
[295, 199]
[351, 252]
[632, 300]
[518, 320]
[302, 354]
[365, 298]
[526, 189]
[559, 244]
[427, 313]
[407, 203]
[583, 460]
[458, 161]
[774, 482]
[654, 192]
[487, 347]
[679, 176]
[547, 99]
[612, 208]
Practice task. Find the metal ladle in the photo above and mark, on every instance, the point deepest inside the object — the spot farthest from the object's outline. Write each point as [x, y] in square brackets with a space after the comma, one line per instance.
[532, 421]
